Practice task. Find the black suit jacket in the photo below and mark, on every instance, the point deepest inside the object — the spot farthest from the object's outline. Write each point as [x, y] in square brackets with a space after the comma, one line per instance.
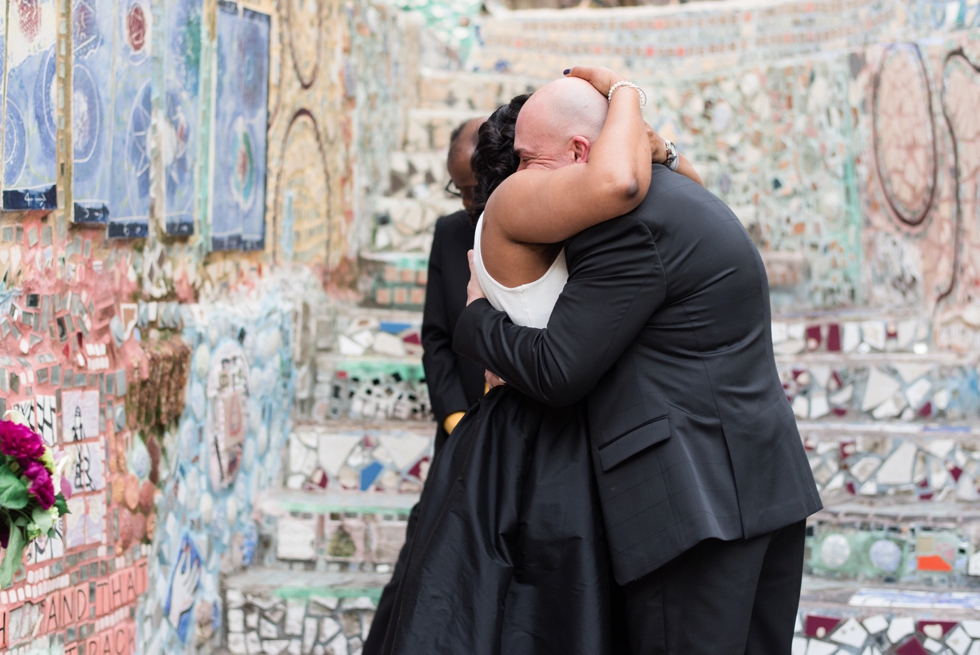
[664, 324]
[455, 382]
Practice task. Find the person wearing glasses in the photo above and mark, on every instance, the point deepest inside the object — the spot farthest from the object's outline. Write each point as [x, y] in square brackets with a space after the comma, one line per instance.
[455, 382]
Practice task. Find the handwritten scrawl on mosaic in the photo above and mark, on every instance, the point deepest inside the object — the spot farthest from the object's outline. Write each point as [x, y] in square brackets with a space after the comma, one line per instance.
[92, 83]
[80, 410]
[182, 64]
[239, 130]
[45, 548]
[129, 187]
[30, 122]
[228, 392]
[46, 420]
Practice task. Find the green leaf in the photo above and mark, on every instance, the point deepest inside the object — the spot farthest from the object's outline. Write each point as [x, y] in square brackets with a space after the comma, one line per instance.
[44, 519]
[61, 504]
[12, 559]
[13, 491]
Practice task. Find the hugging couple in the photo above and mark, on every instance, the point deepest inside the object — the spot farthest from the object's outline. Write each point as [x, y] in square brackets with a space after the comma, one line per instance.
[634, 481]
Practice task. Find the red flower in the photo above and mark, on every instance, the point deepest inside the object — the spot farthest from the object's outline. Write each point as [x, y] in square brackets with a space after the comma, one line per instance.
[20, 442]
[41, 484]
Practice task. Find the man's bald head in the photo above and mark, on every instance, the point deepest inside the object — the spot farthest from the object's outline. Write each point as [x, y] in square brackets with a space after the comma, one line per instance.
[559, 123]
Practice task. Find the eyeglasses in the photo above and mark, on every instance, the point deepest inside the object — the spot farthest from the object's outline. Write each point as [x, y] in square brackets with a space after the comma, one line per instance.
[455, 191]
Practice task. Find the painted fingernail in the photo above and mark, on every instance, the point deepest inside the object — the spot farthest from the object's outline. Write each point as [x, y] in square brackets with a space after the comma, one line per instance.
[567, 71]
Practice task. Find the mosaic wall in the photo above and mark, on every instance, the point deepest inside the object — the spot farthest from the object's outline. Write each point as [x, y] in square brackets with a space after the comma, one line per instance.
[168, 371]
[853, 168]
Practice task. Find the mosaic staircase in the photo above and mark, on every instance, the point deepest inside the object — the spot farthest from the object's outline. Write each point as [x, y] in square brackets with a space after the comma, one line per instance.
[889, 425]
[889, 422]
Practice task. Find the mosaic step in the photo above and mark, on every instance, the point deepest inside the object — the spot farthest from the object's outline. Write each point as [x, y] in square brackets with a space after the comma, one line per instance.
[430, 129]
[899, 462]
[365, 363]
[355, 331]
[277, 611]
[407, 223]
[885, 540]
[333, 531]
[880, 386]
[370, 388]
[371, 457]
[483, 91]
[409, 171]
[393, 279]
[840, 618]
[851, 332]
[352, 331]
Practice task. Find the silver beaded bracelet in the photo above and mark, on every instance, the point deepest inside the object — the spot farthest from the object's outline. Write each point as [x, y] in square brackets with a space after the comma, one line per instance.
[619, 85]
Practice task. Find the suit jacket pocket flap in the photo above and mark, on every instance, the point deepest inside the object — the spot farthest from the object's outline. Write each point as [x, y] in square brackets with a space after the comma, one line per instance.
[626, 445]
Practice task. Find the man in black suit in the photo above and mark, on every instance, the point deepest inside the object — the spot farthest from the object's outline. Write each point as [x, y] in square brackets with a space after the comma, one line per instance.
[455, 382]
[664, 328]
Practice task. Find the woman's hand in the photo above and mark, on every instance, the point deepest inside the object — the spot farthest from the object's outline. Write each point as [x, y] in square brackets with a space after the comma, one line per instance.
[658, 146]
[658, 154]
[473, 289]
[601, 78]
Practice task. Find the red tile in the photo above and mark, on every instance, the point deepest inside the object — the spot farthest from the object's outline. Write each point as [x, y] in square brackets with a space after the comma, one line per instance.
[833, 337]
[417, 469]
[820, 626]
[933, 563]
[911, 647]
[813, 337]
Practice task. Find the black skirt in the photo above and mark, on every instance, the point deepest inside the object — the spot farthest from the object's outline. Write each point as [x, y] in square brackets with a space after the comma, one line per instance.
[510, 557]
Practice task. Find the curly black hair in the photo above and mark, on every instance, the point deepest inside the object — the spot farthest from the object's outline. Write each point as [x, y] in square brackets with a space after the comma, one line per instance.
[494, 159]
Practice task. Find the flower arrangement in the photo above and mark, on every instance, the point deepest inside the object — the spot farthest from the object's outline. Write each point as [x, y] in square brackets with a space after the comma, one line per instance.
[29, 504]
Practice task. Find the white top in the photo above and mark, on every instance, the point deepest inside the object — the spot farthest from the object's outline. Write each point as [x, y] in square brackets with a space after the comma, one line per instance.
[529, 304]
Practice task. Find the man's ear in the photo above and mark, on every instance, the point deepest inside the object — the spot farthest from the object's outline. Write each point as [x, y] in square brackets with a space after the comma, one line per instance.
[580, 147]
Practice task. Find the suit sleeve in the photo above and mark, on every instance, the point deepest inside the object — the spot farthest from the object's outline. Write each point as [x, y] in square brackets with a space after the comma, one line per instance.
[439, 361]
[615, 283]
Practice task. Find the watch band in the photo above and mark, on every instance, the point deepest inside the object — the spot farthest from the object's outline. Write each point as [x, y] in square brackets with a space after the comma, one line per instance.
[673, 161]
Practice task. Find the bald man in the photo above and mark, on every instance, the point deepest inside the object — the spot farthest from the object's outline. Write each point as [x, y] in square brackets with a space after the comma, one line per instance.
[664, 329]
[455, 382]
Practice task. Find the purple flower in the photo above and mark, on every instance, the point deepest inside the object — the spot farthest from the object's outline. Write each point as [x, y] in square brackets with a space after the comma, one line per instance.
[20, 442]
[41, 485]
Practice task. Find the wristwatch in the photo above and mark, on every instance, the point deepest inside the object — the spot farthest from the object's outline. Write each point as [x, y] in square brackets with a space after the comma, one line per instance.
[673, 161]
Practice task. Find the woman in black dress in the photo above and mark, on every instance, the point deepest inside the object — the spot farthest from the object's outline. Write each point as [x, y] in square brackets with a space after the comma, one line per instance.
[509, 556]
